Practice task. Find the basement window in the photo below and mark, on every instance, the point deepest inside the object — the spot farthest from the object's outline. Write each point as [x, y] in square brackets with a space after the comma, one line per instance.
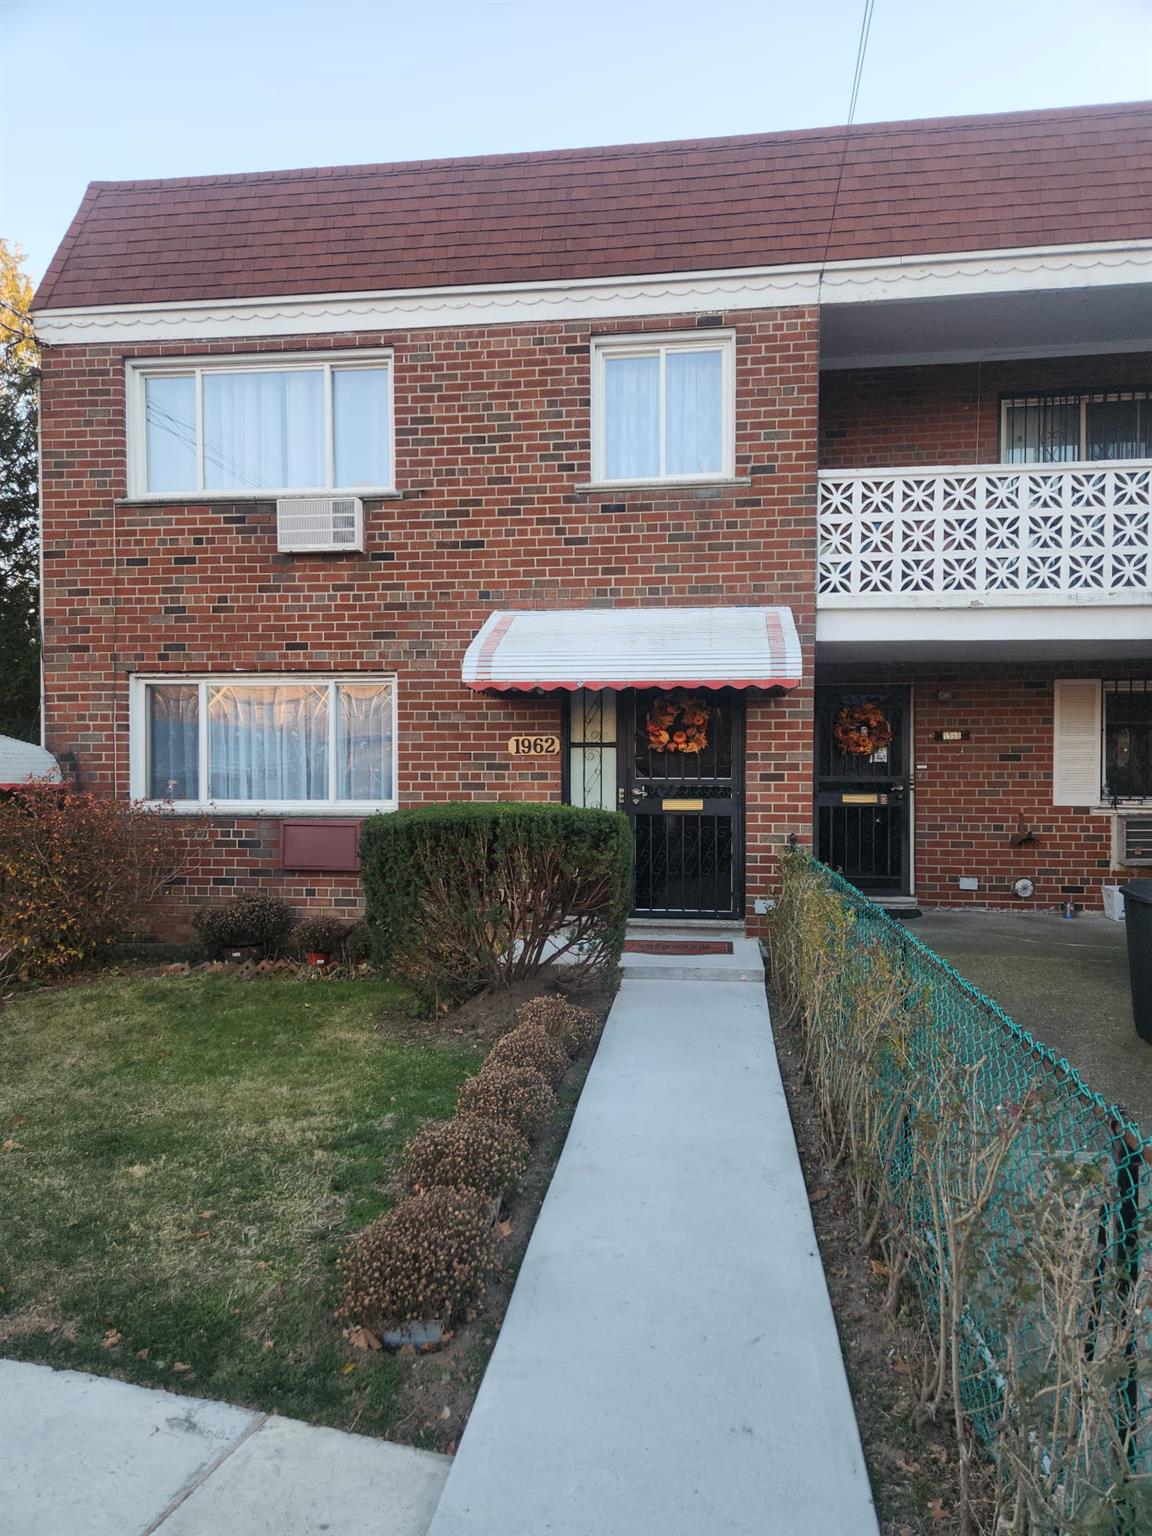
[260, 425]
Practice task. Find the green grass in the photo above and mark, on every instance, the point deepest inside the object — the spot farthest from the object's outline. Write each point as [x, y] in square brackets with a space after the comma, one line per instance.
[190, 1152]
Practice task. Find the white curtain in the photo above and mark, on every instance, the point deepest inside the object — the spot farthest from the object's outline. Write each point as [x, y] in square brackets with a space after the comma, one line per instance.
[268, 743]
[360, 426]
[364, 742]
[631, 418]
[693, 403]
[170, 412]
[264, 429]
[173, 741]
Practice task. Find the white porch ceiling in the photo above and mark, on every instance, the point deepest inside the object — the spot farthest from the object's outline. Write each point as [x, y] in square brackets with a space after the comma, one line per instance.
[1051, 323]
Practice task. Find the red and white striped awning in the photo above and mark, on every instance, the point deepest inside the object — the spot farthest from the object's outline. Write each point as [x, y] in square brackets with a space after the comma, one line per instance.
[635, 648]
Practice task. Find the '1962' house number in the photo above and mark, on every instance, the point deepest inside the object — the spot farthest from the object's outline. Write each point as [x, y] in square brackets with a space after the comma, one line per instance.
[533, 746]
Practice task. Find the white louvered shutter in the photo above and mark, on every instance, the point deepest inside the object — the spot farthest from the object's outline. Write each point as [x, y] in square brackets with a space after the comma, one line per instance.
[1077, 745]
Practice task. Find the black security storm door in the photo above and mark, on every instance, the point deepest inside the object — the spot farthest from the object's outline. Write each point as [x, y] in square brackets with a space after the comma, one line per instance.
[863, 787]
[685, 796]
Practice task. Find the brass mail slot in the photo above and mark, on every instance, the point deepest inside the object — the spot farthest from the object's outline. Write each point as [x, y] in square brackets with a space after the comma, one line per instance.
[863, 799]
[681, 805]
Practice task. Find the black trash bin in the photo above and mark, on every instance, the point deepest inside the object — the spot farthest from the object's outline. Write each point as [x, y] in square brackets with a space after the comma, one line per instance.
[1138, 920]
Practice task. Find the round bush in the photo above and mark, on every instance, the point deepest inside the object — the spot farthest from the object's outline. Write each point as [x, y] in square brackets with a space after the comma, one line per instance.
[252, 918]
[518, 1097]
[574, 1027]
[426, 1259]
[531, 1046]
[468, 1152]
[321, 935]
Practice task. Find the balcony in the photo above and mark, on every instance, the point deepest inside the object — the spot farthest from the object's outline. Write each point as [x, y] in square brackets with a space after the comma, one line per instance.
[1045, 553]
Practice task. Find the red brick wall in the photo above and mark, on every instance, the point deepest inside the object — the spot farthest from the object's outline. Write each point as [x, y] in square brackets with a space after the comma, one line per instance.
[972, 796]
[492, 437]
[947, 414]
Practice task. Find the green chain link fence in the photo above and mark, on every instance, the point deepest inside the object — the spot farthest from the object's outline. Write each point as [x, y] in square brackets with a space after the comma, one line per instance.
[1010, 1197]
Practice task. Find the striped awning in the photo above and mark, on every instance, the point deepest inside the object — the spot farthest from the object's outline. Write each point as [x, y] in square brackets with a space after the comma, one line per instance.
[635, 648]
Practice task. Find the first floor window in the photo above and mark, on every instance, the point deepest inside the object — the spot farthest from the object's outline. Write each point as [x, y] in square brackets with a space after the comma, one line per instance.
[324, 425]
[1128, 739]
[662, 409]
[1057, 428]
[266, 742]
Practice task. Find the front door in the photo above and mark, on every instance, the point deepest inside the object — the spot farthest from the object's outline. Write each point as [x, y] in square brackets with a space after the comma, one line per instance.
[863, 787]
[682, 783]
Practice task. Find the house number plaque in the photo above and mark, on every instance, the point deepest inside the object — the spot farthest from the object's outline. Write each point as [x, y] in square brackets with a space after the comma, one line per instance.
[533, 746]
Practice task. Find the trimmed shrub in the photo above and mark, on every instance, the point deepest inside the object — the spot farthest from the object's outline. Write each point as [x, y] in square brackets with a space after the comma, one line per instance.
[518, 1097]
[464, 896]
[357, 943]
[77, 871]
[467, 1152]
[426, 1258]
[574, 1027]
[252, 918]
[531, 1046]
[321, 935]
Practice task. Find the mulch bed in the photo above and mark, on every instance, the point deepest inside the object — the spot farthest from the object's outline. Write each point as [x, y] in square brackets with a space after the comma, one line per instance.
[441, 1386]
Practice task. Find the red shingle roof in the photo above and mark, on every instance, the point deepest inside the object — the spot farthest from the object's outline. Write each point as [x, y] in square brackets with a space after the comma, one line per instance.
[947, 184]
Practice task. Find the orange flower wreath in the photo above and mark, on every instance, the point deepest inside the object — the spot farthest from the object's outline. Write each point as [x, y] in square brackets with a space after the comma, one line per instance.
[678, 724]
[862, 729]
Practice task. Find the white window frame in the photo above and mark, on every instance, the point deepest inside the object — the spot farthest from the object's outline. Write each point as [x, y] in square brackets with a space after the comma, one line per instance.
[139, 370]
[138, 736]
[660, 345]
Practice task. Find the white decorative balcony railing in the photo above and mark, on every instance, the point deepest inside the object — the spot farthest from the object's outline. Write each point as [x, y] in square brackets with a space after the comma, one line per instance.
[997, 534]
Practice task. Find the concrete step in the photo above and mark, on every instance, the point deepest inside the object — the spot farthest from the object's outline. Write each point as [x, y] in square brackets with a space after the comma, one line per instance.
[745, 963]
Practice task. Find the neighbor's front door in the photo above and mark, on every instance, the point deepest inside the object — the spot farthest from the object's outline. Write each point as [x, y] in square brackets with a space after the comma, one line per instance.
[682, 783]
[863, 787]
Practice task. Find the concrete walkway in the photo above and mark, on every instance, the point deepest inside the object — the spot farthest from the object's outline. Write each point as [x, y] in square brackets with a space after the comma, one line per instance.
[85, 1456]
[669, 1364]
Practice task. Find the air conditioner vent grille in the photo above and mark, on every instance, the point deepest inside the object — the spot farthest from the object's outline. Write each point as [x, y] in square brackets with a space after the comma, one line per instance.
[320, 524]
[1135, 839]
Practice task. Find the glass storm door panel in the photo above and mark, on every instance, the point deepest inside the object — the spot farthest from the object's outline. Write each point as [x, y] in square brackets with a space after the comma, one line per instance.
[863, 787]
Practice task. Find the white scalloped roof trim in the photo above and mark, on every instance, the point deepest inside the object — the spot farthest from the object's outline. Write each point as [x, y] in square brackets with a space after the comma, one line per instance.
[607, 298]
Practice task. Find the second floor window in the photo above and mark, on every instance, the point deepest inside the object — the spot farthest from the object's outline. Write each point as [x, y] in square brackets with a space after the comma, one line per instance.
[1063, 428]
[261, 426]
[662, 409]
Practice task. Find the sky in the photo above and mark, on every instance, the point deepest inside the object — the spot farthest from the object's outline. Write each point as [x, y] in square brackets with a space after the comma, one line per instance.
[106, 90]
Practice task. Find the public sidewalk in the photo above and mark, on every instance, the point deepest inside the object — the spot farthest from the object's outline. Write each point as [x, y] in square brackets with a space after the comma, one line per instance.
[82, 1455]
[669, 1364]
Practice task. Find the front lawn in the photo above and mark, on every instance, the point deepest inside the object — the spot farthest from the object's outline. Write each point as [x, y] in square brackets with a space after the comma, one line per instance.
[179, 1158]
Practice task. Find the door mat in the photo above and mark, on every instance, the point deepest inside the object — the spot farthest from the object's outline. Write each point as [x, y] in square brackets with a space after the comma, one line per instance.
[678, 946]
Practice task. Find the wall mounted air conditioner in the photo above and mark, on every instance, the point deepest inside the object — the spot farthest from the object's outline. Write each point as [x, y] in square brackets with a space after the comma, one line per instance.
[1131, 841]
[315, 525]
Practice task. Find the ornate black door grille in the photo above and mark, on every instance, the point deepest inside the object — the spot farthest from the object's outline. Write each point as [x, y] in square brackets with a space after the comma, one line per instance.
[863, 800]
[687, 812]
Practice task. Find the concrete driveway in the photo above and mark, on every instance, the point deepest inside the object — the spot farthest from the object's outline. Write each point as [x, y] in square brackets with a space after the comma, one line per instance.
[1065, 980]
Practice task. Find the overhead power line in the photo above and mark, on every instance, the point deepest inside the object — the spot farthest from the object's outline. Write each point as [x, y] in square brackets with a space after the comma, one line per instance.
[857, 76]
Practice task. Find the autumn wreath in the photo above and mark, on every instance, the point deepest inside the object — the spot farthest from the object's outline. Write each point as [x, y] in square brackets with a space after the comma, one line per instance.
[678, 723]
[862, 729]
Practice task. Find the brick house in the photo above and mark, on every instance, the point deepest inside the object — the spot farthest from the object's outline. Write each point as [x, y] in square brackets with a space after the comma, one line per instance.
[377, 485]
